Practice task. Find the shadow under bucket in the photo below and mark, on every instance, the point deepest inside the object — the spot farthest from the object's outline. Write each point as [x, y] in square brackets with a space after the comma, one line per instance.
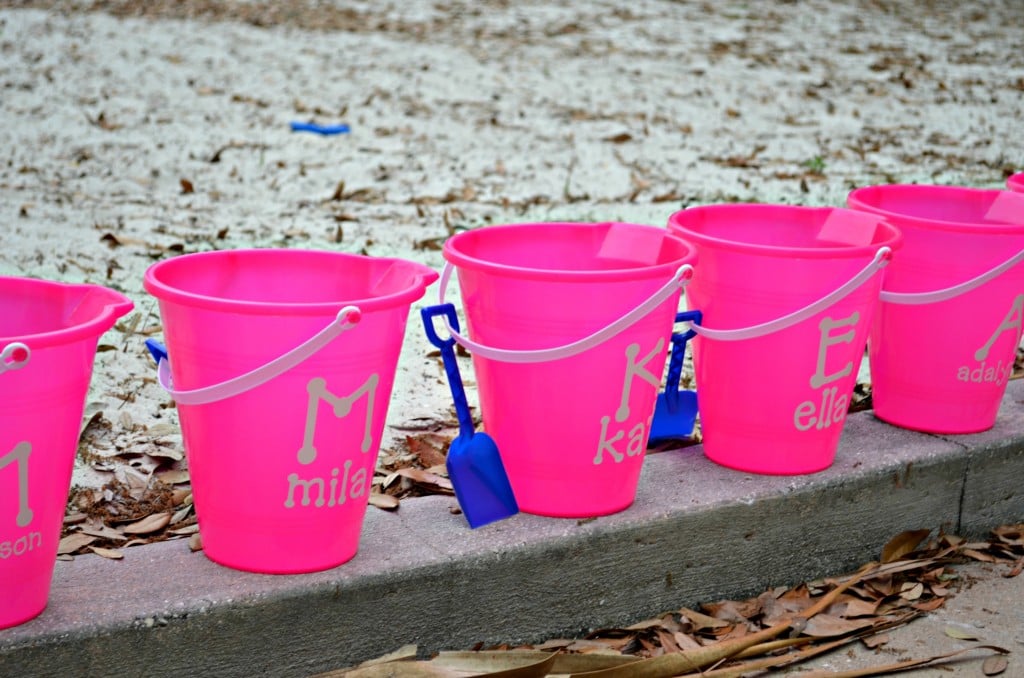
[48, 336]
[571, 431]
[282, 364]
[787, 295]
[944, 339]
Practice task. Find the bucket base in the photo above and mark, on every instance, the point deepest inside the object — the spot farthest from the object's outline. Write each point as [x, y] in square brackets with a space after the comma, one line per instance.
[944, 429]
[768, 470]
[548, 512]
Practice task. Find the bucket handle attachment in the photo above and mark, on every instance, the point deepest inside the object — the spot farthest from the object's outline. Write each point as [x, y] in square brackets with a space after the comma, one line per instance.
[918, 298]
[14, 356]
[879, 262]
[347, 318]
[678, 281]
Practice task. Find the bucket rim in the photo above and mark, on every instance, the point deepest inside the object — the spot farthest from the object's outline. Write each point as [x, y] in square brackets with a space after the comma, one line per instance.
[1015, 182]
[117, 305]
[855, 200]
[165, 292]
[642, 272]
[893, 241]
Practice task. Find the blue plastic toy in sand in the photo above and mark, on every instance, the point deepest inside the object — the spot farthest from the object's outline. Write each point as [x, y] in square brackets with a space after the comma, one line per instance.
[474, 465]
[675, 410]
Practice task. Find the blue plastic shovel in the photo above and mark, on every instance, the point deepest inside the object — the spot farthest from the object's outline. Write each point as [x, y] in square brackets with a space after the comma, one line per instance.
[474, 464]
[675, 411]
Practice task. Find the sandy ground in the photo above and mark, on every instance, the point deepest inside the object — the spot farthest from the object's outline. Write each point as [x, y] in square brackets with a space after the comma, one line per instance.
[151, 129]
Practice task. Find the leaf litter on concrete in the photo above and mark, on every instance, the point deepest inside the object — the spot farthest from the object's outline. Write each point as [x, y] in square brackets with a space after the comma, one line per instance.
[780, 627]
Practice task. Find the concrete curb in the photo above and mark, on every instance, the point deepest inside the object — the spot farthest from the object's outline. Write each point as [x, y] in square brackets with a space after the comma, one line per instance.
[697, 532]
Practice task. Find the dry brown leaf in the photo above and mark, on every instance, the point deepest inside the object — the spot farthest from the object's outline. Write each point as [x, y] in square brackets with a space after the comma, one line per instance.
[978, 555]
[112, 554]
[384, 501]
[871, 642]
[902, 544]
[929, 605]
[421, 476]
[149, 524]
[73, 542]
[195, 543]
[994, 665]
[173, 477]
[911, 590]
[828, 626]
[102, 532]
[702, 621]
[191, 529]
[959, 634]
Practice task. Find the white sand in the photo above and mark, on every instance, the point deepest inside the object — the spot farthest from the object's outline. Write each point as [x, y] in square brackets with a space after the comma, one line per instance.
[479, 112]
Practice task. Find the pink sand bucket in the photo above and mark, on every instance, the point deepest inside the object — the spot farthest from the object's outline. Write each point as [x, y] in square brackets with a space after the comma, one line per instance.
[1015, 182]
[281, 416]
[943, 343]
[48, 336]
[787, 294]
[570, 325]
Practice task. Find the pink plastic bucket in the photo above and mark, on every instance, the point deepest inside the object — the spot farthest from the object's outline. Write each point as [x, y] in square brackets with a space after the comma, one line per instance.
[281, 417]
[48, 336]
[773, 399]
[571, 432]
[1016, 182]
[940, 363]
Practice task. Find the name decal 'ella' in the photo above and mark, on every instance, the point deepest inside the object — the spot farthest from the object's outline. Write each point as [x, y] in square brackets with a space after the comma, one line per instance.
[831, 408]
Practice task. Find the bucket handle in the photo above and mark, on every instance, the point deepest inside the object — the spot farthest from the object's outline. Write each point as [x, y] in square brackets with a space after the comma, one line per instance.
[14, 356]
[918, 298]
[347, 318]
[879, 262]
[678, 281]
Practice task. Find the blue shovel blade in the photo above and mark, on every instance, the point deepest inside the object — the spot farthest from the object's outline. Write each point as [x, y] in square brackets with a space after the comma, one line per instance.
[478, 476]
[674, 422]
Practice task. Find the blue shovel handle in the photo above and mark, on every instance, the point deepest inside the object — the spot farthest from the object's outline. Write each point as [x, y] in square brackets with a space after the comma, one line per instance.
[451, 365]
[675, 365]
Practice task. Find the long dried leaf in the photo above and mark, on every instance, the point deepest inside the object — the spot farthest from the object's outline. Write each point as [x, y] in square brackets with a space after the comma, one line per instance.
[112, 554]
[512, 664]
[902, 544]
[898, 666]
[73, 542]
[748, 667]
[687, 661]
[149, 524]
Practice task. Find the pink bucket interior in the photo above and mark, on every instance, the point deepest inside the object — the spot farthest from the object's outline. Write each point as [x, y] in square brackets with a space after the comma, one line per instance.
[566, 247]
[286, 277]
[39, 307]
[950, 204]
[782, 227]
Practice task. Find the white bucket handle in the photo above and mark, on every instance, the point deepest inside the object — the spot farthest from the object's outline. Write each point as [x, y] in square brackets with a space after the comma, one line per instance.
[678, 281]
[917, 298]
[347, 318]
[879, 262]
[8, 357]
